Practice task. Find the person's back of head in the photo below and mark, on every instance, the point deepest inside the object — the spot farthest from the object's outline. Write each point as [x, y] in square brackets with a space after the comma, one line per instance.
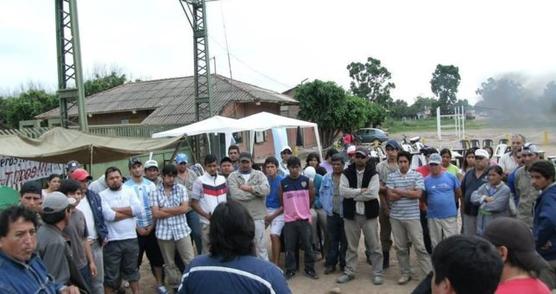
[465, 265]
[516, 244]
[232, 231]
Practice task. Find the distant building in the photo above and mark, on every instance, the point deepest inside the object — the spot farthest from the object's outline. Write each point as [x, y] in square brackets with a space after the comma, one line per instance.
[172, 102]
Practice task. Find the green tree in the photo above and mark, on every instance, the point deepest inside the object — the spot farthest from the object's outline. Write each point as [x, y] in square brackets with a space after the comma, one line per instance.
[399, 109]
[372, 81]
[444, 84]
[103, 81]
[328, 105]
[27, 105]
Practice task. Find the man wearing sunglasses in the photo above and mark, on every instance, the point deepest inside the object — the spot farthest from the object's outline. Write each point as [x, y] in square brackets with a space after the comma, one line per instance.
[524, 190]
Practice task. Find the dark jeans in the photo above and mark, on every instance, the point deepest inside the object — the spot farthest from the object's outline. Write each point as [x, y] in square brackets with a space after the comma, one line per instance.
[338, 243]
[295, 232]
[87, 276]
[195, 225]
[148, 244]
[426, 234]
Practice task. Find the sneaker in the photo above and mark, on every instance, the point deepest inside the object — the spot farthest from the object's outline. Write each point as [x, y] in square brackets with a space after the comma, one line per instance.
[403, 280]
[289, 274]
[329, 270]
[378, 280]
[344, 278]
[161, 290]
[312, 274]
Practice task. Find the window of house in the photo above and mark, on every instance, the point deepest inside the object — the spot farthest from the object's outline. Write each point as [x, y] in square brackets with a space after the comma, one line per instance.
[260, 137]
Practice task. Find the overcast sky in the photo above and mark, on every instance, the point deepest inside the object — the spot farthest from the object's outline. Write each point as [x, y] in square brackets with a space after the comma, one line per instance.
[278, 43]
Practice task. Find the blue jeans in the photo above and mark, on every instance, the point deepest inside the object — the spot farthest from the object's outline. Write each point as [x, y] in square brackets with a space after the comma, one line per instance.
[195, 225]
[87, 276]
[338, 242]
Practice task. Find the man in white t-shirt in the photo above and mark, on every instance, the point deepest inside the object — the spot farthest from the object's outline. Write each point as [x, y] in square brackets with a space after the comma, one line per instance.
[119, 207]
[509, 161]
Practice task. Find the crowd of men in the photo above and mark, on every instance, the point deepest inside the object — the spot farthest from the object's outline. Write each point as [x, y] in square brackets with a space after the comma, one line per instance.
[91, 236]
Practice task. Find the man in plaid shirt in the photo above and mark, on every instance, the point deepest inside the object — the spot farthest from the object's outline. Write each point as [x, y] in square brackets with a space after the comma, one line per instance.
[169, 204]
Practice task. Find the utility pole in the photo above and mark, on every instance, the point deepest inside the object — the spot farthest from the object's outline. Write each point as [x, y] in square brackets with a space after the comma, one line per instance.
[195, 11]
[70, 72]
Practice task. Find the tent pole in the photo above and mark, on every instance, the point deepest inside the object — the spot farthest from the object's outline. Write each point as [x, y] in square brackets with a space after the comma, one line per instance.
[318, 141]
[91, 159]
[252, 143]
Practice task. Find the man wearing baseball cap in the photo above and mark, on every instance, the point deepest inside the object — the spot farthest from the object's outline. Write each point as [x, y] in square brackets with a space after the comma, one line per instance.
[524, 190]
[443, 191]
[186, 177]
[285, 154]
[152, 172]
[91, 205]
[52, 246]
[145, 225]
[359, 186]
[250, 187]
[473, 179]
[522, 263]
[383, 169]
[71, 166]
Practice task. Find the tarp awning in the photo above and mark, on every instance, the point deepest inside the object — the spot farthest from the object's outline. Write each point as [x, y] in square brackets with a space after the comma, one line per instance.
[60, 145]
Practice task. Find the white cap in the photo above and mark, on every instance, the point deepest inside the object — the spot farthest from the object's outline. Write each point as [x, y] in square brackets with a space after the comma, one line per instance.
[150, 163]
[286, 148]
[482, 153]
[351, 149]
[310, 172]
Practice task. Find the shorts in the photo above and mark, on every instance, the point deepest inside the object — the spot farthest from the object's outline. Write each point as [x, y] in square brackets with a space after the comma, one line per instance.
[277, 223]
[120, 262]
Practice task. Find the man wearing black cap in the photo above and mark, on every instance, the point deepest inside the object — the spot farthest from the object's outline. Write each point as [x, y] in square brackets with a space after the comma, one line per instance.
[384, 168]
[31, 196]
[524, 190]
[522, 263]
[250, 187]
[145, 225]
[71, 166]
[359, 186]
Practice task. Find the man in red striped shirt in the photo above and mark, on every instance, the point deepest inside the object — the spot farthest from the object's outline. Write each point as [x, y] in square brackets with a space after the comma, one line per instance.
[208, 191]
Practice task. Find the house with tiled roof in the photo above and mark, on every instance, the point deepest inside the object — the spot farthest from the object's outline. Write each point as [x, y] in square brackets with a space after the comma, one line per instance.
[172, 102]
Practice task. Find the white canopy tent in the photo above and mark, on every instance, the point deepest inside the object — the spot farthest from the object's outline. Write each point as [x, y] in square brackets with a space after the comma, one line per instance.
[263, 121]
[215, 124]
[258, 122]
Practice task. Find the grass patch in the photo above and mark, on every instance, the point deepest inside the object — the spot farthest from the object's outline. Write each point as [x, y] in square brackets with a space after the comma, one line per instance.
[399, 126]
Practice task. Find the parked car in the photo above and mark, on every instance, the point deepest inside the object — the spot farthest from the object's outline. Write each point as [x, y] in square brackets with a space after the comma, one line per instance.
[369, 135]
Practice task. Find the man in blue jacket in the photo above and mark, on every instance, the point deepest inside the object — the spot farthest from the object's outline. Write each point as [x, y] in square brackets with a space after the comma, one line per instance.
[544, 221]
[21, 270]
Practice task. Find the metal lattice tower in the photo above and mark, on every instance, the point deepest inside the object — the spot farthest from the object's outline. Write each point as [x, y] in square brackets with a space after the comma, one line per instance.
[196, 15]
[70, 73]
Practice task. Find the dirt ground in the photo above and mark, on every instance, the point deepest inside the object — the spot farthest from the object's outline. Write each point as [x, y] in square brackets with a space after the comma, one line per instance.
[362, 283]
[302, 284]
